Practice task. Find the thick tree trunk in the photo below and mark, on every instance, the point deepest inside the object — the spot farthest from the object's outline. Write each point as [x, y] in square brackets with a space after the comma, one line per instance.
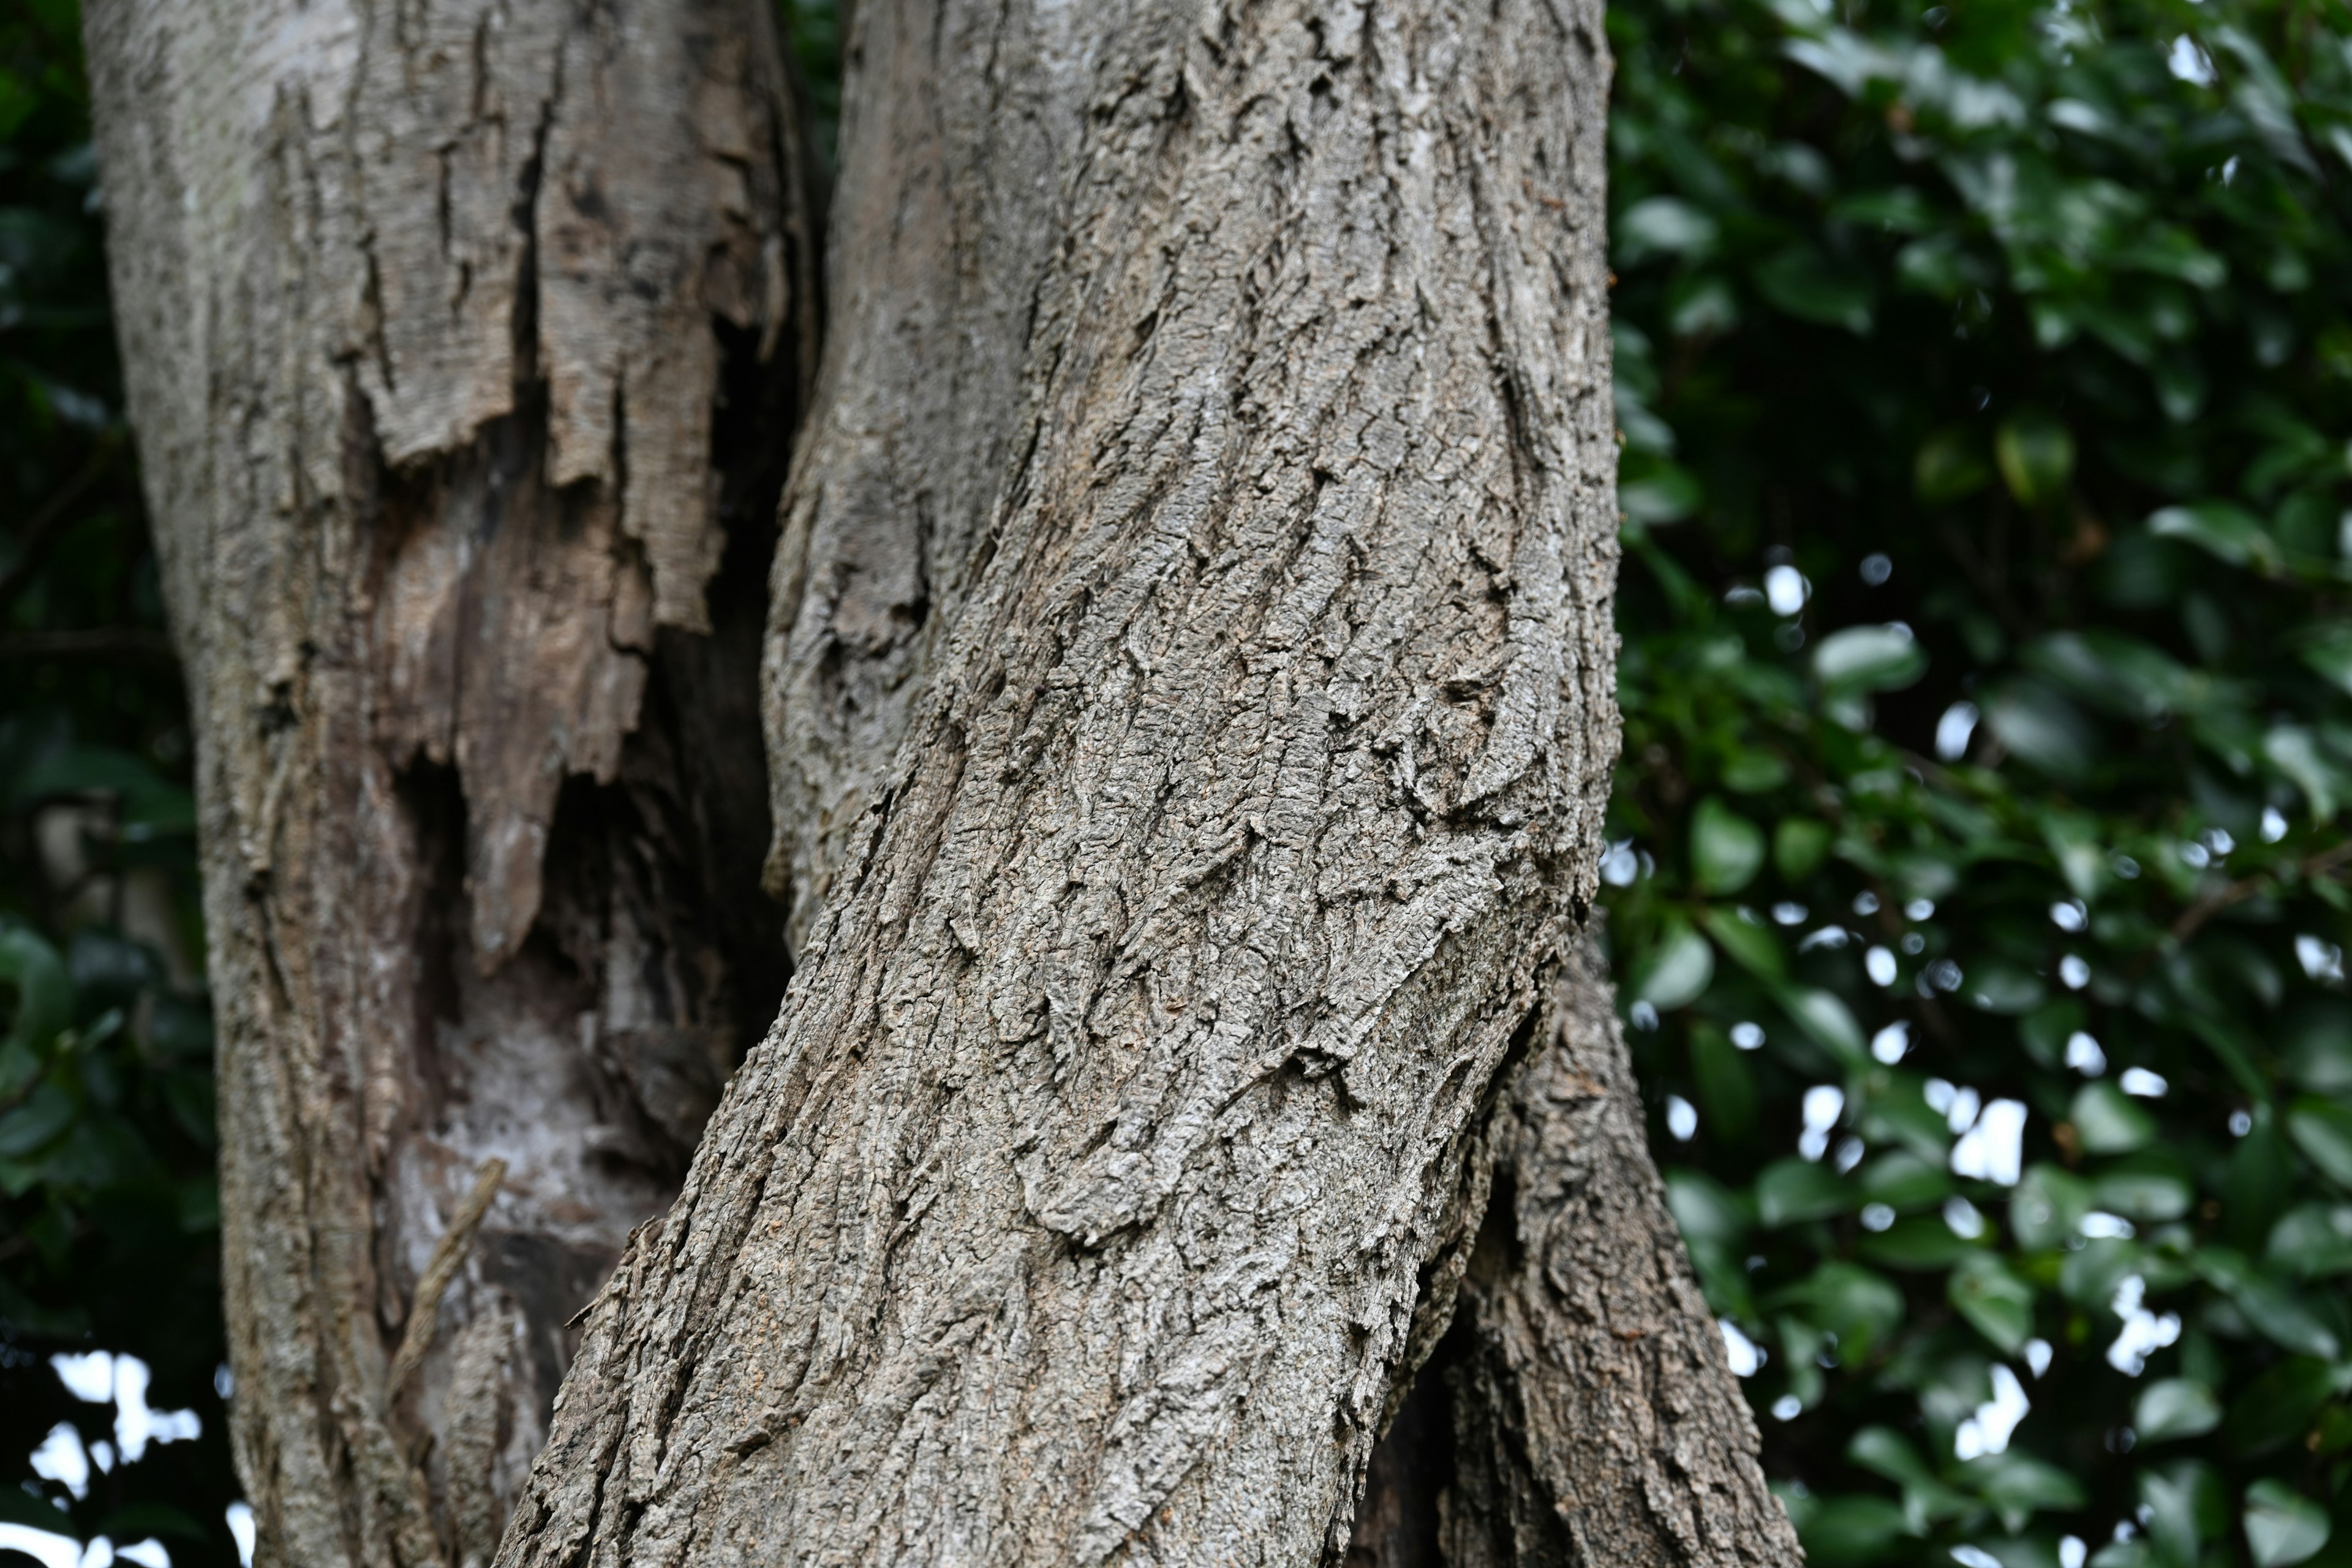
[434, 316]
[1200, 562]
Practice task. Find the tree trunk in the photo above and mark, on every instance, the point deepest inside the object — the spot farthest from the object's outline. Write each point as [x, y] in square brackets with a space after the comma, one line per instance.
[1199, 560]
[461, 340]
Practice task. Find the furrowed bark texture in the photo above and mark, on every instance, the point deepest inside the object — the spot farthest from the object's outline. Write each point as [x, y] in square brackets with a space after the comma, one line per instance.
[434, 317]
[1580, 1410]
[1212, 484]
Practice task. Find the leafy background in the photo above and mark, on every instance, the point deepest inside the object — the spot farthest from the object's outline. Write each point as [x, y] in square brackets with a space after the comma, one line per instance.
[1978, 895]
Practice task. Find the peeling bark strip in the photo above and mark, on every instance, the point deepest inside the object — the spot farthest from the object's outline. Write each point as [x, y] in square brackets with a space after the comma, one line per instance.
[1581, 1411]
[1078, 1206]
[433, 317]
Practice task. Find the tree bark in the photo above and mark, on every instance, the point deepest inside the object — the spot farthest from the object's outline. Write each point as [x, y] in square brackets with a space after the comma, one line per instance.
[1199, 560]
[1578, 1409]
[1187, 720]
[461, 339]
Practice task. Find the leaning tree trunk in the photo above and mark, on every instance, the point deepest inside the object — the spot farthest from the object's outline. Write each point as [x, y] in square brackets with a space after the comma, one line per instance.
[1189, 717]
[462, 340]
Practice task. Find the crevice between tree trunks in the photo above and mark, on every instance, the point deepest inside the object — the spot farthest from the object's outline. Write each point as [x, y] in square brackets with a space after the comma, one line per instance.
[1579, 1410]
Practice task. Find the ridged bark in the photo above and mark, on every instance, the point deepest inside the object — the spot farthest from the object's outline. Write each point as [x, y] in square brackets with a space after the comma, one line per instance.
[433, 317]
[1199, 560]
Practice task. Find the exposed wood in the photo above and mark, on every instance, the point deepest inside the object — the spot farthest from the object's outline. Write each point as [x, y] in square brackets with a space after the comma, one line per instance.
[437, 319]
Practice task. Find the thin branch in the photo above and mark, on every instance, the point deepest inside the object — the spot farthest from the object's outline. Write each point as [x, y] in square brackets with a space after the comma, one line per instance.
[2245, 888]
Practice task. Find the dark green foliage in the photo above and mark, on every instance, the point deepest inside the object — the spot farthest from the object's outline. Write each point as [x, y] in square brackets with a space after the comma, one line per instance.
[108, 1208]
[1998, 354]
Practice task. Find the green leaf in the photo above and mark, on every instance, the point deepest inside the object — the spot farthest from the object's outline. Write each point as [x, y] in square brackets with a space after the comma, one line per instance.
[2151, 1186]
[1727, 1088]
[1727, 849]
[1902, 1180]
[1950, 465]
[2313, 1241]
[2175, 1408]
[38, 1121]
[1922, 1243]
[1674, 970]
[1883, 1452]
[2223, 531]
[2276, 1310]
[2315, 1042]
[44, 994]
[1828, 1022]
[2019, 1486]
[1750, 944]
[1995, 985]
[2040, 727]
[2283, 1526]
[1797, 845]
[1869, 658]
[1846, 1531]
[2047, 1206]
[1663, 226]
[2036, 457]
[2184, 1504]
[141, 1519]
[2295, 753]
[1661, 493]
[1996, 1302]
[1856, 1305]
[2277, 1407]
[1788, 1191]
[2108, 1122]
[1705, 1209]
[2322, 1128]
[1803, 283]
[2328, 650]
[20, 1507]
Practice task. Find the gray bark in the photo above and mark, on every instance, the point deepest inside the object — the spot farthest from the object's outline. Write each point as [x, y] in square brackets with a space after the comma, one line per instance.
[1578, 1409]
[1188, 703]
[434, 316]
